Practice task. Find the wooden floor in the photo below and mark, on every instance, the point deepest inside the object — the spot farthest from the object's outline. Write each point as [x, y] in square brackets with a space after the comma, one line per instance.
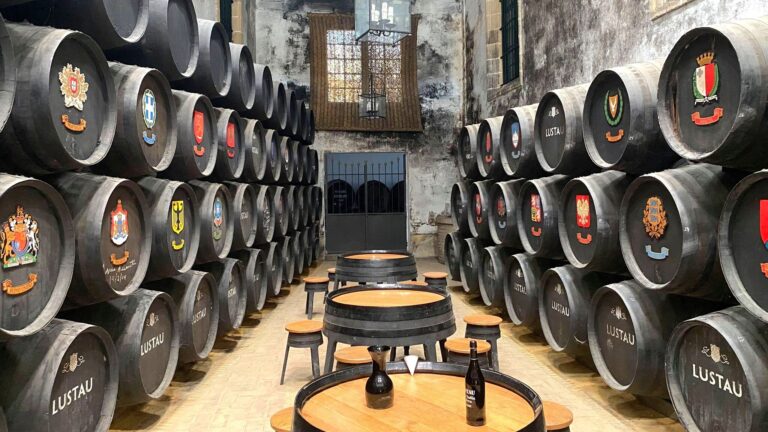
[238, 387]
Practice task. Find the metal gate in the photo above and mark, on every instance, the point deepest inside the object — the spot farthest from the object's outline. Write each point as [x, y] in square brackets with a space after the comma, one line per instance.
[366, 196]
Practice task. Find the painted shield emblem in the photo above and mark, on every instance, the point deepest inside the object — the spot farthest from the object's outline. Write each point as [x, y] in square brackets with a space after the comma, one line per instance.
[764, 222]
[488, 148]
[613, 107]
[516, 135]
[501, 212]
[706, 79]
[218, 212]
[535, 208]
[119, 224]
[177, 216]
[230, 140]
[20, 239]
[198, 125]
[478, 209]
[654, 218]
[74, 88]
[583, 219]
[149, 108]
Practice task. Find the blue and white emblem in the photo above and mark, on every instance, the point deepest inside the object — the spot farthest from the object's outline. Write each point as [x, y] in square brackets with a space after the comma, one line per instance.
[149, 110]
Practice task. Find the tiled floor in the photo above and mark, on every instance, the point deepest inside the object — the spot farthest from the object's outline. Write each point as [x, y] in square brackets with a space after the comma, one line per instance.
[238, 387]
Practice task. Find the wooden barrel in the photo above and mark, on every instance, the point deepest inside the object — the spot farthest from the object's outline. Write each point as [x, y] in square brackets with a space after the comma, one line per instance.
[537, 216]
[145, 329]
[171, 42]
[299, 112]
[298, 254]
[273, 267]
[629, 327]
[298, 206]
[669, 230]
[502, 217]
[146, 123]
[194, 293]
[196, 148]
[717, 373]
[285, 161]
[301, 163]
[588, 221]
[317, 250]
[3, 423]
[7, 82]
[265, 202]
[285, 254]
[376, 266]
[293, 150]
[487, 153]
[460, 206]
[522, 287]
[707, 120]
[264, 100]
[467, 148]
[290, 207]
[213, 74]
[621, 127]
[290, 106]
[231, 290]
[63, 378]
[314, 165]
[518, 150]
[278, 120]
[495, 264]
[479, 209]
[254, 150]
[310, 139]
[317, 202]
[36, 273]
[305, 126]
[341, 197]
[307, 236]
[306, 208]
[255, 280]
[373, 196]
[742, 250]
[272, 155]
[242, 92]
[113, 236]
[245, 201]
[75, 127]
[280, 210]
[471, 263]
[217, 224]
[558, 138]
[565, 293]
[230, 137]
[454, 243]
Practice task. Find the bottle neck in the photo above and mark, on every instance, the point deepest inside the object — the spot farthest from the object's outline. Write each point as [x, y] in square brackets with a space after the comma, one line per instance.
[473, 353]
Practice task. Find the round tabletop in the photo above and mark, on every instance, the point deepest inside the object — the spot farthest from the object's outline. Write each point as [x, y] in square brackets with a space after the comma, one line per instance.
[387, 298]
[375, 266]
[376, 256]
[424, 401]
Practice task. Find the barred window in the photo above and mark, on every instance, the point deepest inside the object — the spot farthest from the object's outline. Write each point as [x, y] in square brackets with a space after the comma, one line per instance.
[510, 40]
[345, 75]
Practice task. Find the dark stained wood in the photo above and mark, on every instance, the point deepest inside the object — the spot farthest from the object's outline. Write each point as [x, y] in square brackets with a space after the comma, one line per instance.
[254, 151]
[216, 231]
[230, 159]
[287, 161]
[471, 263]
[7, 80]
[460, 206]
[213, 74]
[467, 148]
[278, 120]
[502, 215]
[537, 211]
[522, 288]
[495, 264]
[242, 92]
[518, 151]
[272, 154]
[287, 257]
[488, 152]
[255, 277]
[479, 206]
[196, 148]
[245, 215]
[273, 267]
[231, 290]
[454, 242]
[265, 203]
[280, 207]
[264, 98]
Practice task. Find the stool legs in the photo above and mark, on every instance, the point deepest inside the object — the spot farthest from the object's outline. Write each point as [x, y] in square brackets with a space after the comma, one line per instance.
[328, 368]
[310, 303]
[285, 363]
[494, 354]
[305, 340]
[490, 335]
[315, 361]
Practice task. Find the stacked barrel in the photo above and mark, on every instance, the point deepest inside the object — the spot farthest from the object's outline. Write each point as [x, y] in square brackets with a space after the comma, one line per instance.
[626, 221]
[148, 203]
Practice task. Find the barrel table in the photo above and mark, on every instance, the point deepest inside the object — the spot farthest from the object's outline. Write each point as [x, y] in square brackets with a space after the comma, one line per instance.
[375, 266]
[396, 316]
[431, 399]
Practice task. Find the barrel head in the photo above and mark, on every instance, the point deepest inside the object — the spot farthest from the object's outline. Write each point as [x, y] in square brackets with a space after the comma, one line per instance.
[232, 286]
[155, 120]
[521, 291]
[124, 249]
[182, 22]
[220, 61]
[615, 333]
[221, 222]
[555, 312]
[248, 215]
[531, 219]
[502, 220]
[466, 153]
[203, 135]
[609, 111]
[157, 344]
[580, 220]
[182, 229]
[550, 132]
[488, 148]
[202, 318]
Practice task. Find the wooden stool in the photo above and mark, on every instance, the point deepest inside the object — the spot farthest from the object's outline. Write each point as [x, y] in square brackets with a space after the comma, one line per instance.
[437, 280]
[458, 351]
[311, 286]
[485, 327]
[557, 417]
[282, 421]
[304, 334]
[413, 283]
[352, 356]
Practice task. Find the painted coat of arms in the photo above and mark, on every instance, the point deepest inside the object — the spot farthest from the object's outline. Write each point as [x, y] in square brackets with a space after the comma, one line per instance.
[177, 222]
[198, 129]
[218, 218]
[613, 109]
[119, 224]
[655, 222]
[74, 88]
[706, 83]
[20, 239]
[231, 140]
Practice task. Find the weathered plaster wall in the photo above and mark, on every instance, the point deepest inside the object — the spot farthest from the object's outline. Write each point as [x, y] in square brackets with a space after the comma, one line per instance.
[282, 35]
[569, 42]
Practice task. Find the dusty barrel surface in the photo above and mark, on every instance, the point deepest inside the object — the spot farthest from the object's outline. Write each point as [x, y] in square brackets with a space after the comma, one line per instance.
[232, 291]
[7, 78]
[264, 98]
[245, 215]
[285, 254]
[295, 207]
[217, 223]
[522, 287]
[467, 148]
[196, 147]
[146, 131]
[588, 221]
[629, 327]
[502, 217]
[242, 92]
[254, 278]
[38, 237]
[272, 155]
[558, 136]
[254, 150]
[495, 263]
[76, 126]
[668, 224]
[280, 208]
[145, 329]
[63, 378]
[174, 216]
[537, 214]
[712, 94]
[717, 373]
[213, 74]
[171, 42]
[197, 302]
[621, 127]
[454, 242]
[113, 236]
[278, 120]
[479, 207]
[471, 263]
[488, 152]
[265, 202]
[273, 267]
[230, 137]
[287, 161]
[518, 150]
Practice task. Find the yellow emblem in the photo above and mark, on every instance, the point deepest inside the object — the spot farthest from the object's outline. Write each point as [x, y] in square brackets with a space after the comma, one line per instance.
[73, 87]
[654, 218]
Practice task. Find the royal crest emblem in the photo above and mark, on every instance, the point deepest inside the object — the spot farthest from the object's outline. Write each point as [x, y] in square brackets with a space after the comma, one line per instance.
[655, 222]
[515, 140]
[152, 319]
[535, 214]
[198, 128]
[559, 289]
[73, 87]
[583, 218]
[75, 360]
[218, 218]
[478, 209]
[20, 239]
[501, 213]
[706, 83]
[713, 351]
[518, 272]
[119, 224]
[554, 112]
[618, 313]
[613, 109]
[177, 222]
[488, 158]
[149, 112]
[231, 140]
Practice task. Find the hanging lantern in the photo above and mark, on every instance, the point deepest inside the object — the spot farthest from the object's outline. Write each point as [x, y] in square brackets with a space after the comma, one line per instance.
[382, 21]
[373, 105]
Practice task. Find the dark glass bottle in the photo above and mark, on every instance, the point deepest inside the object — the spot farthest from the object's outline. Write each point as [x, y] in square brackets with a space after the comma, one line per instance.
[475, 389]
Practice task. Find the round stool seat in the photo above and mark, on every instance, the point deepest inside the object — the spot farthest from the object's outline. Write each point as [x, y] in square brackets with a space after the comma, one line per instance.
[414, 283]
[356, 355]
[435, 275]
[316, 280]
[556, 416]
[282, 421]
[332, 270]
[305, 326]
[483, 320]
[461, 345]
